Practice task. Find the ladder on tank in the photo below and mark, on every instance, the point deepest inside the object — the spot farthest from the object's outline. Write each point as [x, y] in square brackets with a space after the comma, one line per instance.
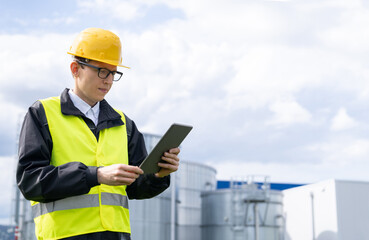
[247, 192]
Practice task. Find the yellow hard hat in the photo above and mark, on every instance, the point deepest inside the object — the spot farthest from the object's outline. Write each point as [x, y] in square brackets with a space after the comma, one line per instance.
[99, 45]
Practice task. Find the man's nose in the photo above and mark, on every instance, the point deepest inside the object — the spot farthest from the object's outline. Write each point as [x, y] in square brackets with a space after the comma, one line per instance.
[109, 79]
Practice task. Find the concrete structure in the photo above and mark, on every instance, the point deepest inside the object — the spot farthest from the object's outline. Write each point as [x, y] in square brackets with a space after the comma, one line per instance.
[328, 210]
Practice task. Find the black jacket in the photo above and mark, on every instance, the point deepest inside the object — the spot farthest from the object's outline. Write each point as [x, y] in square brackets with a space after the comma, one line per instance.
[42, 182]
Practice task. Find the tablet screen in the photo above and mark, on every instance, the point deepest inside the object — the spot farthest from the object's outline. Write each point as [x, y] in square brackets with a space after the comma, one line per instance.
[171, 139]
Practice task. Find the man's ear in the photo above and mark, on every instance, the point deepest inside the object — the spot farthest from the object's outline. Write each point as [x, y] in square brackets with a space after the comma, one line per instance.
[74, 68]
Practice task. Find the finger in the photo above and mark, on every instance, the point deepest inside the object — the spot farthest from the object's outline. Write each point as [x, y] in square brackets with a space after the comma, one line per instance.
[125, 181]
[171, 155]
[175, 151]
[122, 173]
[132, 169]
[127, 174]
[171, 160]
[120, 178]
[169, 167]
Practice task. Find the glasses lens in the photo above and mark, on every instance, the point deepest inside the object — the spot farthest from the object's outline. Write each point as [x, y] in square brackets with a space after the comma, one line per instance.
[103, 73]
[117, 76]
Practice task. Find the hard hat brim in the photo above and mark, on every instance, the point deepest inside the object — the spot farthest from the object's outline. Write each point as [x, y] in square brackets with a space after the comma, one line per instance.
[98, 60]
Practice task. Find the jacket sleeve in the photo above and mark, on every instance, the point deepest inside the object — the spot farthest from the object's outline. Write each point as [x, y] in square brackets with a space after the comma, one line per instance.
[36, 178]
[147, 185]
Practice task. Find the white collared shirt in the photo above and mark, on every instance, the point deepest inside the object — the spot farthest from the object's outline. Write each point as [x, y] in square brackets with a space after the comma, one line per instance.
[90, 112]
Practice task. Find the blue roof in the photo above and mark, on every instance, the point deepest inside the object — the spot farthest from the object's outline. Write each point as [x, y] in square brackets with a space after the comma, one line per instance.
[273, 186]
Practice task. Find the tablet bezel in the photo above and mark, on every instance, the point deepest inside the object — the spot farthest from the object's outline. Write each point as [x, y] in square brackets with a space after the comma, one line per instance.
[173, 137]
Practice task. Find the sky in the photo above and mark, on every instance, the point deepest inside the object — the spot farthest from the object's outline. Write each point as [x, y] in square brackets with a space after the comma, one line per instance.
[275, 88]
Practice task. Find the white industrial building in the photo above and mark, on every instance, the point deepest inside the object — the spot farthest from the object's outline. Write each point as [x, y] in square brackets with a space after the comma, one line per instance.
[328, 210]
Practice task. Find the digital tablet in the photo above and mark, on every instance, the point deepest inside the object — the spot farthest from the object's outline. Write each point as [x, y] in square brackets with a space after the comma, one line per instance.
[171, 139]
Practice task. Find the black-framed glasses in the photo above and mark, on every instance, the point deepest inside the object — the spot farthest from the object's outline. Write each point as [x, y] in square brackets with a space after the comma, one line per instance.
[103, 73]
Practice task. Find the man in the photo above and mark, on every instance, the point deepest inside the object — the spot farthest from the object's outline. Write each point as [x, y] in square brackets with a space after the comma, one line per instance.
[79, 157]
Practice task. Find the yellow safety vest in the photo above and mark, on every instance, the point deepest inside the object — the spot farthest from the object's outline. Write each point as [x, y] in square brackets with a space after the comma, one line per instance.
[104, 208]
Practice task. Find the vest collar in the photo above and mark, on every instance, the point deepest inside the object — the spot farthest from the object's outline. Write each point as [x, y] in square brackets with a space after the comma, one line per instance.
[108, 117]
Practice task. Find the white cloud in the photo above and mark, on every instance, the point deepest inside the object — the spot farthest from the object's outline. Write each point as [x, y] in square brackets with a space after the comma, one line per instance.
[341, 151]
[287, 113]
[35, 62]
[284, 172]
[10, 123]
[172, 75]
[121, 10]
[342, 121]
[350, 33]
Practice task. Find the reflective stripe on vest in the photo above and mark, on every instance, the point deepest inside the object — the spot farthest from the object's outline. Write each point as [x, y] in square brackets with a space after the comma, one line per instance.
[83, 201]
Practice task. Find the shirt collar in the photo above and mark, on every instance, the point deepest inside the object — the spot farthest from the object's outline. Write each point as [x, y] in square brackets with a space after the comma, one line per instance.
[82, 105]
[107, 116]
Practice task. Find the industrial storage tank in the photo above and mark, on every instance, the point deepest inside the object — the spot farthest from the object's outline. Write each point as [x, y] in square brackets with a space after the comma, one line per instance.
[150, 141]
[175, 213]
[25, 220]
[154, 219]
[193, 179]
[248, 211]
[151, 219]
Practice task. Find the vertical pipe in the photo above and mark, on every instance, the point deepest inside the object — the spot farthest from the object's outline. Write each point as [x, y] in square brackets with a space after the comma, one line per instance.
[312, 214]
[25, 222]
[16, 214]
[256, 217]
[173, 208]
[17, 191]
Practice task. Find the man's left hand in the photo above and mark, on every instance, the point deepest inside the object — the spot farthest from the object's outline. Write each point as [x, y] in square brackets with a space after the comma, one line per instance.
[171, 163]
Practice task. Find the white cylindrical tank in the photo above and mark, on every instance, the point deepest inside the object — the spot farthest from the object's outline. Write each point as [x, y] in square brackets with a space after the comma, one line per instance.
[27, 226]
[150, 141]
[151, 218]
[247, 213]
[193, 179]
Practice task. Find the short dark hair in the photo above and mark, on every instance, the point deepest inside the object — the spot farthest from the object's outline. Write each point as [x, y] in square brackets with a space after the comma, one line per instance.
[85, 60]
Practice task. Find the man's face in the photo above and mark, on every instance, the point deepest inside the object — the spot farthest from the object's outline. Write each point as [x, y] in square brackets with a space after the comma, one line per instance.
[89, 86]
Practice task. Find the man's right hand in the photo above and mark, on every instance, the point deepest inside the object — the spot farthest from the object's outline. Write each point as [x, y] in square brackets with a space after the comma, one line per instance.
[118, 174]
